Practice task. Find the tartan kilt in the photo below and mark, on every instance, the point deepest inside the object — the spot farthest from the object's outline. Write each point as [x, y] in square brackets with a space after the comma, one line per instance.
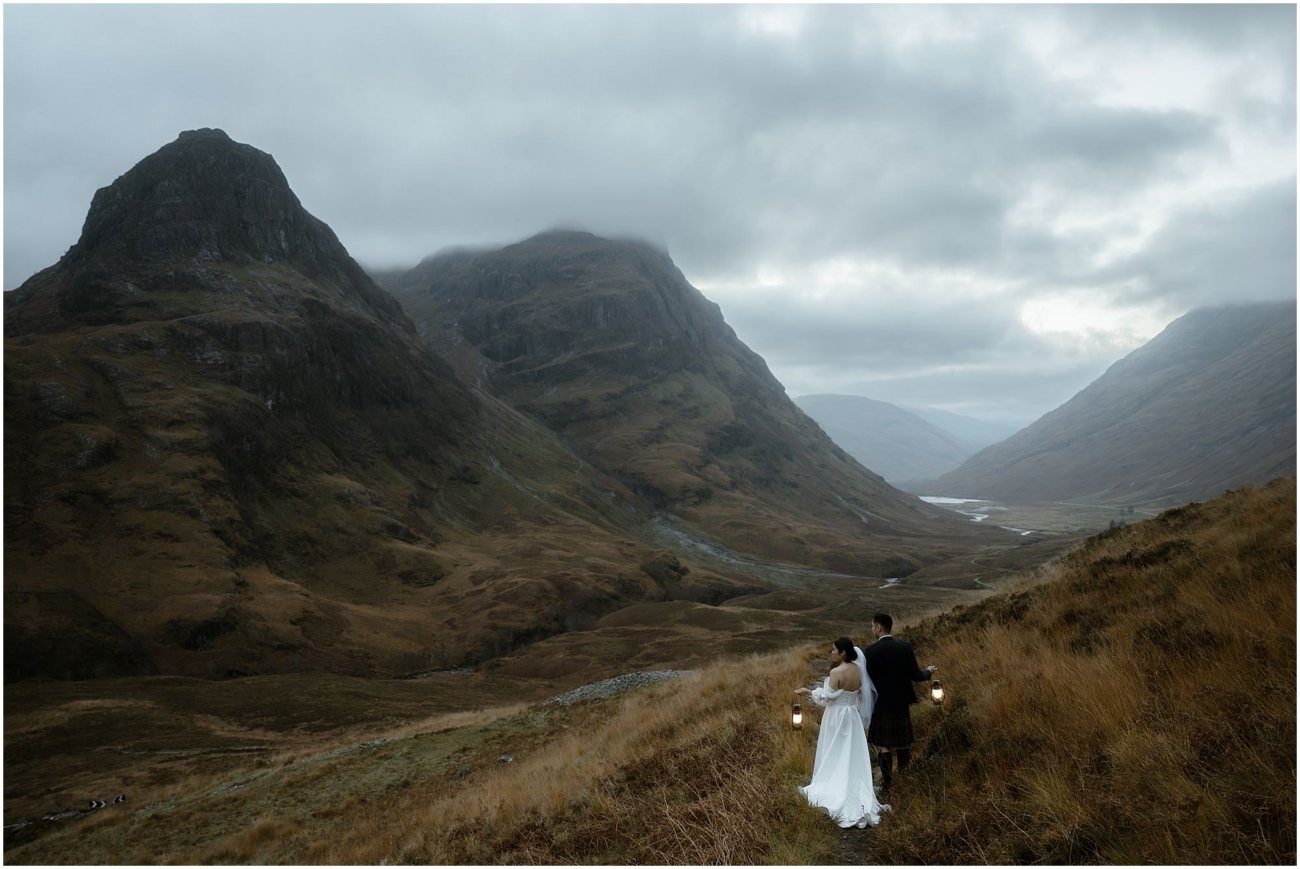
[891, 728]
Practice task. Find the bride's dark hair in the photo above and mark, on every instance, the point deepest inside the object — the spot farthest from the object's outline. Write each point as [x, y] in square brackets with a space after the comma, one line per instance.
[845, 645]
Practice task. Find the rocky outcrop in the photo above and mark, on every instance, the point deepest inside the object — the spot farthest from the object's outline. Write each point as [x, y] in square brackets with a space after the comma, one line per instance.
[606, 688]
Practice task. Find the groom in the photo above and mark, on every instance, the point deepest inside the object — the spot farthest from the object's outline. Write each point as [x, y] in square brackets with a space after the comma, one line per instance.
[891, 665]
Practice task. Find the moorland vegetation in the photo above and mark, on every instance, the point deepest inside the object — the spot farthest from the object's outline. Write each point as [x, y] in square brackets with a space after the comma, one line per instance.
[1132, 702]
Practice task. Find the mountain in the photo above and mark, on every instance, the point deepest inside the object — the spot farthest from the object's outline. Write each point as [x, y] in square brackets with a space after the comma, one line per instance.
[978, 433]
[228, 453]
[898, 445]
[607, 344]
[1206, 405]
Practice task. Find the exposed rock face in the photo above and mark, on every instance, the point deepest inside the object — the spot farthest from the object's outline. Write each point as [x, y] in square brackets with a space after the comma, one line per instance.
[212, 198]
[201, 199]
[609, 345]
[227, 441]
[626, 309]
[1206, 405]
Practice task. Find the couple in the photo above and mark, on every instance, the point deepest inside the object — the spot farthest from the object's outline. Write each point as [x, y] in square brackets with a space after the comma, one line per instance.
[871, 690]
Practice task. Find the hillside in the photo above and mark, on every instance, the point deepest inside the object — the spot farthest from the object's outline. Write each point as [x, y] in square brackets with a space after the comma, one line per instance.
[895, 443]
[1205, 406]
[978, 433]
[608, 345]
[1131, 704]
[1139, 707]
[227, 453]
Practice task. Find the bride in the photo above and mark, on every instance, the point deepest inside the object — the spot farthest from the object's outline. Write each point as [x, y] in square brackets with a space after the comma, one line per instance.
[841, 782]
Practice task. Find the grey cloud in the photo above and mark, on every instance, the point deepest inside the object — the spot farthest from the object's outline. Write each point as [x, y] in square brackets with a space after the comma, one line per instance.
[890, 334]
[1002, 388]
[1116, 146]
[1219, 27]
[1007, 392]
[1243, 251]
[411, 128]
[659, 112]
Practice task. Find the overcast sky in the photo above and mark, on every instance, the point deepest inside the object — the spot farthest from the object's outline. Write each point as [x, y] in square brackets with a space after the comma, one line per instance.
[965, 207]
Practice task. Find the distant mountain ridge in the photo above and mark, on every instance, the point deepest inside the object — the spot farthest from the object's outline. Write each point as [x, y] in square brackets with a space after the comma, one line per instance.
[1206, 405]
[894, 442]
[607, 344]
[978, 433]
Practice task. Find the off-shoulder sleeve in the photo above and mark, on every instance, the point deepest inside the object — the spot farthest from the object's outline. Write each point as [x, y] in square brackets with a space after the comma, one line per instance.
[821, 696]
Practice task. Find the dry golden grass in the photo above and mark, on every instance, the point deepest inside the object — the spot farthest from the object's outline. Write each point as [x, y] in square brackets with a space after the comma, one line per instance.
[431, 724]
[244, 846]
[1134, 703]
[1138, 708]
[699, 770]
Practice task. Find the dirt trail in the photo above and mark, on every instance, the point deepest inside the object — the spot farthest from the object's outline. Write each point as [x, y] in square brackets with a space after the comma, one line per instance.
[855, 847]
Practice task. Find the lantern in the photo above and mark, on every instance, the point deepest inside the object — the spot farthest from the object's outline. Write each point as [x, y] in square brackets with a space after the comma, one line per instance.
[936, 692]
[796, 717]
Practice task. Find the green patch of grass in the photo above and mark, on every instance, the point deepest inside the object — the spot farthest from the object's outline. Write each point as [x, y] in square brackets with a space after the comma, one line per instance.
[1053, 517]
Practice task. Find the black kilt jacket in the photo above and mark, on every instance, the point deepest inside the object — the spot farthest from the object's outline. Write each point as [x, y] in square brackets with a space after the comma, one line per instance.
[891, 664]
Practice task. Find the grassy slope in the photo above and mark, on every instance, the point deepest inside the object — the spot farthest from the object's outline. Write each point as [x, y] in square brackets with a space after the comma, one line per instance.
[681, 772]
[1133, 703]
[1140, 708]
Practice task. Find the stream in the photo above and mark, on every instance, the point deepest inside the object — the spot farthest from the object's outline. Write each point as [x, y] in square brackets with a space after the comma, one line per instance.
[666, 532]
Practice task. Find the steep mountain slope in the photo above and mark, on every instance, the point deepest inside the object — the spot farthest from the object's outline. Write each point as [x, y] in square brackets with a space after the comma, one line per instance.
[226, 452]
[1206, 405]
[607, 344]
[897, 444]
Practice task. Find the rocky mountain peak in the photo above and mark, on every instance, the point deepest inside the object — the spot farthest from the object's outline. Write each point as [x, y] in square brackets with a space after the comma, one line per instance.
[206, 198]
[178, 222]
[572, 294]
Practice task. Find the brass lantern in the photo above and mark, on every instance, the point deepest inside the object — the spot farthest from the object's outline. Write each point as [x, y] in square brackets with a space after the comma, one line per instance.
[936, 692]
[796, 717]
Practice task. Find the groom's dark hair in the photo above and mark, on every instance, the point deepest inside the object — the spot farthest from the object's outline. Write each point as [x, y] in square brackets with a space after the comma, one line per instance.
[884, 620]
[845, 645]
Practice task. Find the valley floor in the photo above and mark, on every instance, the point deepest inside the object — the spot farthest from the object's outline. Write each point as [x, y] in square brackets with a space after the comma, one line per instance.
[275, 768]
[1056, 745]
[1037, 519]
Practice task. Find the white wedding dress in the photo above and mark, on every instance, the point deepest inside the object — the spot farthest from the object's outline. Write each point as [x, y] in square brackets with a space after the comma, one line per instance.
[841, 782]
